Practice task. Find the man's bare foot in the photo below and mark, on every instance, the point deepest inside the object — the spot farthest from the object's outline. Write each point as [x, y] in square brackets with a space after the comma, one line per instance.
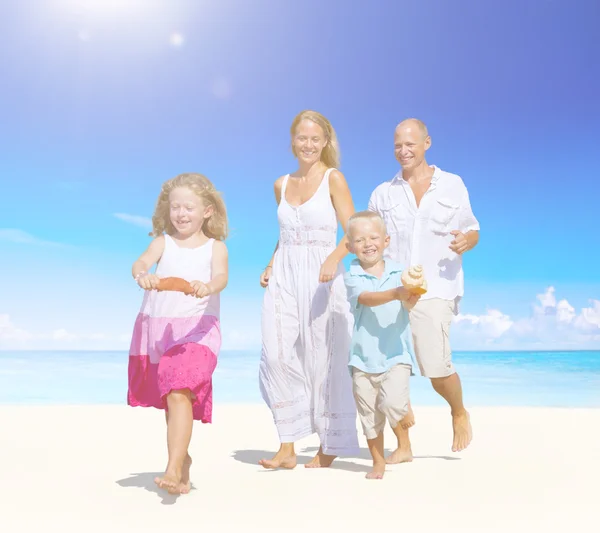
[409, 420]
[320, 460]
[463, 433]
[169, 482]
[185, 486]
[377, 472]
[281, 460]
[399, 456]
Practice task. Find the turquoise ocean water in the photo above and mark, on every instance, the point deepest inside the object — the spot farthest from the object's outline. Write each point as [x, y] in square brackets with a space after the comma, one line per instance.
[561, 379]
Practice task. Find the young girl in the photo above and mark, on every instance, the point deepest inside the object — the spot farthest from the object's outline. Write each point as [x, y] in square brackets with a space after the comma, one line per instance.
[176, 338]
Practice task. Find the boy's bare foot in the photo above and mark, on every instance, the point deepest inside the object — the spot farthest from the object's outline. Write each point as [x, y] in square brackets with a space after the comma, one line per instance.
[409, 420]
[463, 433]
[320, 460]
[186, 485]
[399, 456]
[169, 482]
[282, 459]
[377, 472]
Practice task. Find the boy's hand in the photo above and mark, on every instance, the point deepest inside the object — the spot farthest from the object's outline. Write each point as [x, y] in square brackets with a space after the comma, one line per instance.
[148, 282]
[412, 300]
[201, 289]
[403, 294]
[409, 299]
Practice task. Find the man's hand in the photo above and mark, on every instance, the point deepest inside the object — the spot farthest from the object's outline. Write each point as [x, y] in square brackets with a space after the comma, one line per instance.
[460, 244]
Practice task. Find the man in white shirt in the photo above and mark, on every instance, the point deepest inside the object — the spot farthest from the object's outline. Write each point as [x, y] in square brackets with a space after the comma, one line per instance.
[429, 219]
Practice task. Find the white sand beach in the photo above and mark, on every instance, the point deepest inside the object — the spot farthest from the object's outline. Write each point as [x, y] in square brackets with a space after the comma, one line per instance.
[91, 468]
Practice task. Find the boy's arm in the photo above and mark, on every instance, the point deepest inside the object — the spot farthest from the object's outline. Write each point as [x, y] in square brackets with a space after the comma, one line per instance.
[373, 299]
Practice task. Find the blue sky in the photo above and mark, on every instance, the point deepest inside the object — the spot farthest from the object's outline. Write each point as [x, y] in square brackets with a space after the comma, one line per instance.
[103, 100]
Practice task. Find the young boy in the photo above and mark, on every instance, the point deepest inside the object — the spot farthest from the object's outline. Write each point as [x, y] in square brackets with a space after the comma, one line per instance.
[382, 353]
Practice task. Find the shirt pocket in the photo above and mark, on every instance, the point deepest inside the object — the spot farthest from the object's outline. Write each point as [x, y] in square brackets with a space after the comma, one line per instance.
[442, 216]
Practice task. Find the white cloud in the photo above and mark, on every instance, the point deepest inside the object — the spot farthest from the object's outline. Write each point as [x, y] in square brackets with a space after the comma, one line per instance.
[13, 337]
[11, 333]
[142, 222]
[62, 335]
[552, 324]
[22, 237]
[491, 325]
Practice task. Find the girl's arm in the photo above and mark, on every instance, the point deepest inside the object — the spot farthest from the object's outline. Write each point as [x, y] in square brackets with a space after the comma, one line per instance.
[149, 258]
[220, 268]
[344, 209]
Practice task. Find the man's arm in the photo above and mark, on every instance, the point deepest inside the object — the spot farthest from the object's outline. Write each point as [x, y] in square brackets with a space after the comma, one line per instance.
[467, 236]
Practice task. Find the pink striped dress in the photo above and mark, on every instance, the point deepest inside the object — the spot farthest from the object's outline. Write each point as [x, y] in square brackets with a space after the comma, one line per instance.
[176, 337]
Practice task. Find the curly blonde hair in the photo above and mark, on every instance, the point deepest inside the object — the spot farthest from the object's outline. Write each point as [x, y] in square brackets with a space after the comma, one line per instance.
[215, 227]
[331, 152]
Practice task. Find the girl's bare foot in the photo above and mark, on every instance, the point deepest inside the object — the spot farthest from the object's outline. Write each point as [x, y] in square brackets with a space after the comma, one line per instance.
[399, 456]
[169, 482]
[185, 485]
[377, 472]
[284, 458]
[320, 460]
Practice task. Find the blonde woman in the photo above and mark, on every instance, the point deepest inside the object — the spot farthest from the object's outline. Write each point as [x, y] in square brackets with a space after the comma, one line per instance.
[177, 336]
[306, 319]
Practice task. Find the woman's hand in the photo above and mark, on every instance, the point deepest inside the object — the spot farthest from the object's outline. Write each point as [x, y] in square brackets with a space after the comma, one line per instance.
[328, 269]
[265, 276]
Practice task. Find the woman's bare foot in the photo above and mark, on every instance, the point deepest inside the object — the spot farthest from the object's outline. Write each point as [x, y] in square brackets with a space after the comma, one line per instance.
[399, 456]
[169, 482]
[409, 420]
[284, 458]
[377, 472]
[185, 485]
[320, 460]
[463, 433]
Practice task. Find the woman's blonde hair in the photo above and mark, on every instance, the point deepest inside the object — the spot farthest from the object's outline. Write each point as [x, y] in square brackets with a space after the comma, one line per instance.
[331, 151]
[214, 227]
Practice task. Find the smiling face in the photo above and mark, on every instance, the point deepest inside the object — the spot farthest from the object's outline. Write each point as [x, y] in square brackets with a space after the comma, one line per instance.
[308, 141]
[367, 239]
[187, 211]
[411, 141]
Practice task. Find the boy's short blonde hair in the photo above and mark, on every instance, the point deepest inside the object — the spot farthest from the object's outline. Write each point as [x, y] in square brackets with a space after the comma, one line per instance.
[365, 215]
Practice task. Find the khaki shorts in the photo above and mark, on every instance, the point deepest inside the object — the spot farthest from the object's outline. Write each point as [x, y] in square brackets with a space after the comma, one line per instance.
[381, 396]
[430, 324]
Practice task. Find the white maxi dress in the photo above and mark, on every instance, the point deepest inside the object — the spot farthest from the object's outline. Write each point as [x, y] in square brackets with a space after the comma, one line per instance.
[306, 330]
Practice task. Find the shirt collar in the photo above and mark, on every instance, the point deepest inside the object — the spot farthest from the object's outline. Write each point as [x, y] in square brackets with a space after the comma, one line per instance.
[390, 268]
[437, 174]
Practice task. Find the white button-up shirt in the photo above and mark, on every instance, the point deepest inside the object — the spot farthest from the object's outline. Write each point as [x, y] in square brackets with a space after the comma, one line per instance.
[421, 235]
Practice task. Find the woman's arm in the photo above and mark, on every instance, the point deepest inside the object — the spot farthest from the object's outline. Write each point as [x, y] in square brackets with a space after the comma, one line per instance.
[344, 209]
[264, 277]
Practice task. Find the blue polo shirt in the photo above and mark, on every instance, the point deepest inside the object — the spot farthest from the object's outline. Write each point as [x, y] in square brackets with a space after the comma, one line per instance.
[381, 337]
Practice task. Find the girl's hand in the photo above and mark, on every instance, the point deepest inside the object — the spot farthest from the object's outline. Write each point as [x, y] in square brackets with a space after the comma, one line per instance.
[202, 289]
[148, 282]
[328, 269]
[265, 276]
